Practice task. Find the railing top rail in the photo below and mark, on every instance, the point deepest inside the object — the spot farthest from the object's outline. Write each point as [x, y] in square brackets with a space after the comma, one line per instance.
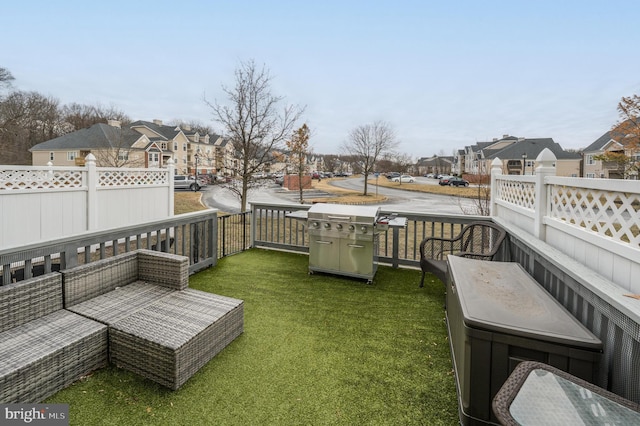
[413, 215]
[517, 178]
[614, 185]
[130, 169]
[17, 254]
[43, 168]
[281, 206]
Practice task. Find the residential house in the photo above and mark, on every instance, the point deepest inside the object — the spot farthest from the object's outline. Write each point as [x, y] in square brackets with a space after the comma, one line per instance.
[436, 165]
[139, 144]
[189, 149]
[518, 158]
[610, 143]
[474, 160]
[112, 146]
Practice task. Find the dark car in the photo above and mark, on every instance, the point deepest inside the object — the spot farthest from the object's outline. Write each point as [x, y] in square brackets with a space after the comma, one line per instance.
[454, 181]
[392, 175]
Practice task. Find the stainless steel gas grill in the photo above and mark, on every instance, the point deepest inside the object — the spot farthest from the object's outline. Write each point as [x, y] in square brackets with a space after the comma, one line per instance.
[343, 239]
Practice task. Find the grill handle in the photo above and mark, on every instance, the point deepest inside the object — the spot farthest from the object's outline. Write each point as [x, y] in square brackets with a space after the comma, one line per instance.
[323, 242]
[355, 245]
[339, 217]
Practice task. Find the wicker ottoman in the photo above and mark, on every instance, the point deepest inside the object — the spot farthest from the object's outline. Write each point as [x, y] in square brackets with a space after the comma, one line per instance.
[169, 340]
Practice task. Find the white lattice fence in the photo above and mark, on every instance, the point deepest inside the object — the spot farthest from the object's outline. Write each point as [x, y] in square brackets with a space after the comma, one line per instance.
[109, 177]
[604, 209]
[519, 191]
[36, 178]
[41, 203]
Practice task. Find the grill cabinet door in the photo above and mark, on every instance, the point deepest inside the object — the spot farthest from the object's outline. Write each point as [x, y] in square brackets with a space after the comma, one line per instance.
[356, 257]
[324, 253]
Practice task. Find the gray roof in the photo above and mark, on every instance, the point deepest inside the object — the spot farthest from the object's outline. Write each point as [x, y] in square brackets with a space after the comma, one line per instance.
[436, 160]
[168, 132]
[97, 136]
[532, 147]
[602, 141]
[599, 143]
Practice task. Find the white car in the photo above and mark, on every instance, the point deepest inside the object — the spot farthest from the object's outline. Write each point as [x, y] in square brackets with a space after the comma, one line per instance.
[403, 178]
[187, 182]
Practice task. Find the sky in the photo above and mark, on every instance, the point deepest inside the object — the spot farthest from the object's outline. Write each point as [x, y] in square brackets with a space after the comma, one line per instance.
[443, 74]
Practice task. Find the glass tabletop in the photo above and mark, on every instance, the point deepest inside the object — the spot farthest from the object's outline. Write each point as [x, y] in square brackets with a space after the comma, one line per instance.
[548, 399]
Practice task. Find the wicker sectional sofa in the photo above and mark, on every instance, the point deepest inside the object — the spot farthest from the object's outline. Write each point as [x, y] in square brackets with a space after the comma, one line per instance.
[133, 309]
[158, 327]
[43, 347]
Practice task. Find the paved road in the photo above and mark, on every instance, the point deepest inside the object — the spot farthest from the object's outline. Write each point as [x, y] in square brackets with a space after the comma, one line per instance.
[411, 201]
[398, 200]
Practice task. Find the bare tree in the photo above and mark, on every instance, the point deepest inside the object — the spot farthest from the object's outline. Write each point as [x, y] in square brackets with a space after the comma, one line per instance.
[119, 152]
[368, 143]
[26, 119]
[81, 116]
[5, 77]
[195, 126]
[481, 201]
[299, 147]
[252, 121]
[403, 162]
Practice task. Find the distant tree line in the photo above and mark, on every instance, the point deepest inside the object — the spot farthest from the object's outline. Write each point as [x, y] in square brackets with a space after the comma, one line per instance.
[29, 118]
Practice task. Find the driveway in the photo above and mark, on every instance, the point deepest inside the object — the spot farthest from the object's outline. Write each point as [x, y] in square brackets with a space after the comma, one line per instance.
[412, 201]
[215, 196]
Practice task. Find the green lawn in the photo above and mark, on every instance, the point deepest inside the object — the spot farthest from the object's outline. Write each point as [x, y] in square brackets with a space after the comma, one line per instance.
[316, 350]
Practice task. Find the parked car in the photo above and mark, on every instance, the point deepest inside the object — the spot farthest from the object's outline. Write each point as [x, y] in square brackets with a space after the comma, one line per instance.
[403, 178]
[392, 175]
[453, 181]
[429, 175]
[187, 182]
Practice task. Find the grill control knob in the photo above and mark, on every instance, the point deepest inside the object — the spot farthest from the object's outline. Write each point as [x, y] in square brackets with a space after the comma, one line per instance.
[315, 224]
[352, 228]
[327, 225]
[339, 226]
[364, 229]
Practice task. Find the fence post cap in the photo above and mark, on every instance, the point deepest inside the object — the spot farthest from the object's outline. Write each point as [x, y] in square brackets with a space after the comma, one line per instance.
[546, 157]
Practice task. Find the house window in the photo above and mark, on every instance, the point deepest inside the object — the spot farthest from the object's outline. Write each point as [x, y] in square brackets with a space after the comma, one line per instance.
[589, 160]
[51, 156]
[163, 145]
[591, 175]
[123, 156]
[175, 146]
[71, 155]
[184, 147]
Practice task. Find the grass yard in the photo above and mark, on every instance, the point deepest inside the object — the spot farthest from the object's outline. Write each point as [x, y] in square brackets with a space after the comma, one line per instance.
[316, 350]
[187, 201]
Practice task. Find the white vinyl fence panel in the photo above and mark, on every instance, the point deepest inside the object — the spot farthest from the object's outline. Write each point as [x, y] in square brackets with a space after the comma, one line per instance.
[43, 203]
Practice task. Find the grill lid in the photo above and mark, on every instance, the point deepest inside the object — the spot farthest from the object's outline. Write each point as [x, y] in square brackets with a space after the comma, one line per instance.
[344, 213]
